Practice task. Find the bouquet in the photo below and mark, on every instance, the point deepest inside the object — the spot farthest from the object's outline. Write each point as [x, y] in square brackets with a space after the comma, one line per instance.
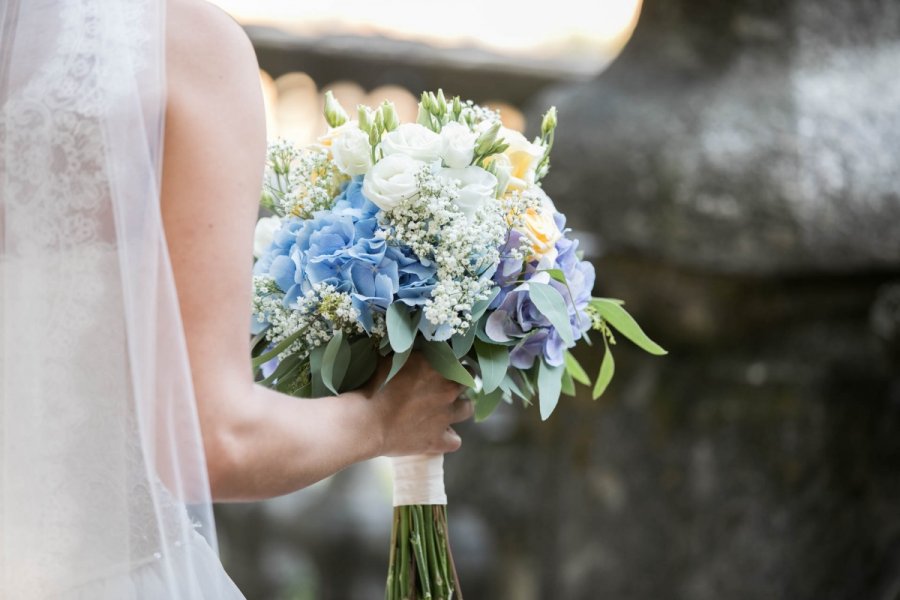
[435, 236]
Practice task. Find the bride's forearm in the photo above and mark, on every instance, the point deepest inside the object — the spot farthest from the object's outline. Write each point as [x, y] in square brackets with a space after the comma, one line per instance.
[271, 444]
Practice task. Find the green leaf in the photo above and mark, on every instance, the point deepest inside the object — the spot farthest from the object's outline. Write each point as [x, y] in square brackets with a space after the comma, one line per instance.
[285, 367]
[568, 384]
[552, 305]
[440, 356]
[400, 327]
[258, 343]
[509, 385]
[556, 274]
[363, 362]
[607, 370]
[317, 386]
[485, 404]
[481, 306]
[335, 362]
[397, 361]
[576, 370]
[618, 317]
[549, 387]
[493, 361]
[462, 343]
[274, 352]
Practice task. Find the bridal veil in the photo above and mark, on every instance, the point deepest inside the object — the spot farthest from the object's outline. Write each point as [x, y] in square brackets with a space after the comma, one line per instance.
[103, 485]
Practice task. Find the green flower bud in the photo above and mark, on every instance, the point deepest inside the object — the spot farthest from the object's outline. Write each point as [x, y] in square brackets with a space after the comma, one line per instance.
[487, 140]
[335, 114]
[549, 123]
[365, 118]
[457, 108]
[441, 102]
[389, 112]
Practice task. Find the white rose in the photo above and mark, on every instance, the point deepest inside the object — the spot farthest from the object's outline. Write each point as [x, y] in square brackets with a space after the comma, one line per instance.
[264, 234]
[391, 180]
[352, 152]
[413, 140]
[457, 145]
[524, 157]
[477, 186]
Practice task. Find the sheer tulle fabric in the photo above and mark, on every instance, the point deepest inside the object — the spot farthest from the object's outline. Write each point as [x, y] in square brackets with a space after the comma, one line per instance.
[103, 487]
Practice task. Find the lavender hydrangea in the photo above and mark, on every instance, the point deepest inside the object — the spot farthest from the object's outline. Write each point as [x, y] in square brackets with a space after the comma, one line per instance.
[516, 318]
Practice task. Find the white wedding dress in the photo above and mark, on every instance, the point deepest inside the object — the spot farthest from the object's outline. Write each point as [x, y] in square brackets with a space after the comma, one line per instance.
[103, 486]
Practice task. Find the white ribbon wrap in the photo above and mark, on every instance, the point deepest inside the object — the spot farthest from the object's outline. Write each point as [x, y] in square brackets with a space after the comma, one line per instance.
[419, 479]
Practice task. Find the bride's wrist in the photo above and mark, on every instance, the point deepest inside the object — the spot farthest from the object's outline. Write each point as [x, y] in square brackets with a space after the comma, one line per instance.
[366, 423]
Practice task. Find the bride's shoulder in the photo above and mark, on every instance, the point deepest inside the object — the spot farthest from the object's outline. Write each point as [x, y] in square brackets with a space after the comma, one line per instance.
[206, 47]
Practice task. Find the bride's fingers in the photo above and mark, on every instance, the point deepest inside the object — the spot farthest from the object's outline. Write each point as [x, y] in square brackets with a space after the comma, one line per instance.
[450, 441]
[462, 410]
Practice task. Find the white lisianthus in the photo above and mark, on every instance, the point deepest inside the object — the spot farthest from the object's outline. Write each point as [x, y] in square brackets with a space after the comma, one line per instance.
[523, 156]
[457, 145]
[503, 168]
[264, 234]
[414, 140]
[392, 180]
[352, 151]
[477, 186]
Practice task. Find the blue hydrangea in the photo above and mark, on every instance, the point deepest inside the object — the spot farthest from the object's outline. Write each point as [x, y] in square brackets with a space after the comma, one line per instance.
[344, 247]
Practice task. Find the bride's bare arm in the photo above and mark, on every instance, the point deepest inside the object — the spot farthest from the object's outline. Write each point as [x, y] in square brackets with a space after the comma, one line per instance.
[259, 443]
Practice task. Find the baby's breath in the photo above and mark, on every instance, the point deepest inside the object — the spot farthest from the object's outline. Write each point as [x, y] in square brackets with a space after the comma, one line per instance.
[301, 181]
[318, 314]
[462, 249]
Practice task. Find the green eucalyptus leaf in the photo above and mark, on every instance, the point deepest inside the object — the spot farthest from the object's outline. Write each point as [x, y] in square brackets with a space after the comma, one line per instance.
[274, 352]
[549, 387]
[486, 403]
[440, 356]
[607, 370]
[481, 306]
[510, 386]
[462, 343]
[400, 327]
[317, 386]
[568, 384]
[397, 361]
[552, 305]
[575, 369]
[284, 369]
[363, 362]
[618, 317]
[556, 274]
[335, 361]
[493, 361]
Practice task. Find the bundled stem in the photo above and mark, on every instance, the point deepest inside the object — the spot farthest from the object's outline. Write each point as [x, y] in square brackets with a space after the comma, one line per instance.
[421, 564]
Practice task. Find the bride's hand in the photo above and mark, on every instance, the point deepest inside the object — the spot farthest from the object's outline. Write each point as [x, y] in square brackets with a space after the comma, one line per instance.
[415, 409]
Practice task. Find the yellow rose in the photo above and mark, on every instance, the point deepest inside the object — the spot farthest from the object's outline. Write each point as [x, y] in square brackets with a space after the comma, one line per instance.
[541, 229]
[523, 156]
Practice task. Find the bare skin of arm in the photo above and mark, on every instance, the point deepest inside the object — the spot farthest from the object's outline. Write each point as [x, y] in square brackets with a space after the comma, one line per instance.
[259, 443]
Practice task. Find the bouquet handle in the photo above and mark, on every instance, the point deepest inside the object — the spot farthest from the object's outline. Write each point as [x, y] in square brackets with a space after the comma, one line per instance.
[421, 564]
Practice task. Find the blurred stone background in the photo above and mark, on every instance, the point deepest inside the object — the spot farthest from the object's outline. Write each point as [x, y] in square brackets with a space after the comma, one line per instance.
[735, 173]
